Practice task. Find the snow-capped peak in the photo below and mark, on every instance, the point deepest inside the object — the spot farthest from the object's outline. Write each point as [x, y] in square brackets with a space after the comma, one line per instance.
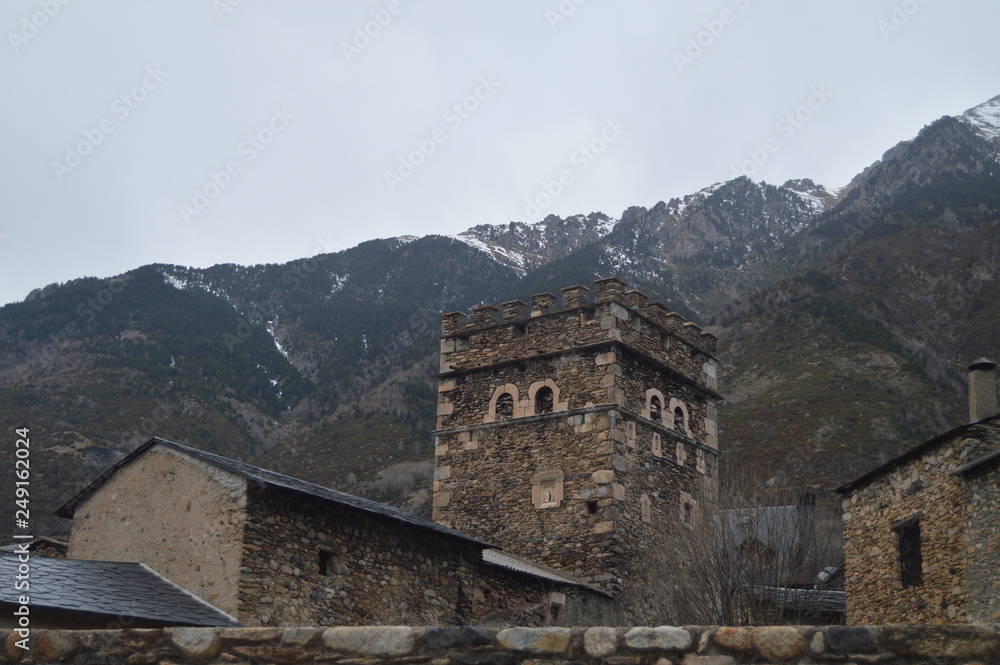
[985, 117]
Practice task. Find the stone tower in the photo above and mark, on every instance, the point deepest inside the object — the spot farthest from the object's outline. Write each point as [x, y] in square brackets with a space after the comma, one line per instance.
[579, 437]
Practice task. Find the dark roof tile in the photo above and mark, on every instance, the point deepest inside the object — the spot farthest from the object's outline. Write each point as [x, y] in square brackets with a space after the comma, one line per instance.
[272, 479]
[109, 588]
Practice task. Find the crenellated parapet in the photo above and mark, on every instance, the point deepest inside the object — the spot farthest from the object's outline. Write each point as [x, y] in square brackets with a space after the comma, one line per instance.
[515, 329]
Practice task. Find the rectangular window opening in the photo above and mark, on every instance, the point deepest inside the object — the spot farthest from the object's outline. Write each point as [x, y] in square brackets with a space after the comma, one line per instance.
[910, 559]
[592, 507]
[325, 563]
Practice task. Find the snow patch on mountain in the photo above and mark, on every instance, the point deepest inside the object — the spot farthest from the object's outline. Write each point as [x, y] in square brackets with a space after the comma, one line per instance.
[985, 117]
[524, 246]
[182, 284]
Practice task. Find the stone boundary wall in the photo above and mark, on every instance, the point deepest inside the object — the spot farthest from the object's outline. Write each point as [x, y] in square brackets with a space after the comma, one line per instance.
[375, 645]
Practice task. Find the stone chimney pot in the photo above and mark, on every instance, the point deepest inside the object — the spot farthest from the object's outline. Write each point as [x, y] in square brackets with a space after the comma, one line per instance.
[982, 389]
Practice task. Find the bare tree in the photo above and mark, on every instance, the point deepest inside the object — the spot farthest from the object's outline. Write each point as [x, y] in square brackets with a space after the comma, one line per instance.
[758, 555]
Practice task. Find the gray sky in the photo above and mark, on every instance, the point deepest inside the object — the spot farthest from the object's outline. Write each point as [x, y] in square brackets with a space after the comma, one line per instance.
[255, 131]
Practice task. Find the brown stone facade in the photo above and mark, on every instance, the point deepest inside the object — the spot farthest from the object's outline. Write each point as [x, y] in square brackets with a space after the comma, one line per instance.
[577, 437]
[981, 521]
[271, 555]
[307, 562]
[954, 576]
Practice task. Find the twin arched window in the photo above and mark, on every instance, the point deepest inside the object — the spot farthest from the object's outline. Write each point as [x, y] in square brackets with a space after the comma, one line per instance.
[676, 415]
[543, 397]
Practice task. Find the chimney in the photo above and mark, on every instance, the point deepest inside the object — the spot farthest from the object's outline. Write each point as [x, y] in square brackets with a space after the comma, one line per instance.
[982, 389]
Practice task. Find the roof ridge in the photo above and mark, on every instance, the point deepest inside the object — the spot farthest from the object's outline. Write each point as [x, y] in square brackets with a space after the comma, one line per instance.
[273, 479]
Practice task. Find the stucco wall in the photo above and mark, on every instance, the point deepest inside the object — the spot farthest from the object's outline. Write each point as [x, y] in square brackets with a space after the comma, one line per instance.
[178, 515]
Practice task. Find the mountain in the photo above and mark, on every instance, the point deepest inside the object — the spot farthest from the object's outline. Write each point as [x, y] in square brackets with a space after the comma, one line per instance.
[845, 317]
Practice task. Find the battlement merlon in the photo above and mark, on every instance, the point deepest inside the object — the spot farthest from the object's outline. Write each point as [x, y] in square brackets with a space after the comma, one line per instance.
[619, 314]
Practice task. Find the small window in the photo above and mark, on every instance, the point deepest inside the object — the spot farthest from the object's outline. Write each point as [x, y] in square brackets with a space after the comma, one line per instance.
[505, 407]
[543, 400]
[325, 563]
[910, 559]
[655, 408]
[549, 499]
[591, 507]
[678, 418]
[689, 510]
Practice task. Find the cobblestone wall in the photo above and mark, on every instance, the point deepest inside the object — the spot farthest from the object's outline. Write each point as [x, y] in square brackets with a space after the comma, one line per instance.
[310, 562]
[923, 489]
[982, 530]
[664, 645]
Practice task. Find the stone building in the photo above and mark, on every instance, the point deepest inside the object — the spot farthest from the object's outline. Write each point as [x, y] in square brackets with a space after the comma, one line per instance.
[922, 532]
[581, 437]
[273, 550]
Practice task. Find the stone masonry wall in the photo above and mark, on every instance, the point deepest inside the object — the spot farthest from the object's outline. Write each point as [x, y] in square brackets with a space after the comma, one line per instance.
[982, 532]
[924, 487]
[483, 486]
[404, 645]
[593, 485]
[187, 529]
[379, 571]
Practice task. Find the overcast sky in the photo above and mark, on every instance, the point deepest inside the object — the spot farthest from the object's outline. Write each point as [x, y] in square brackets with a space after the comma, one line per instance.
[256, 131]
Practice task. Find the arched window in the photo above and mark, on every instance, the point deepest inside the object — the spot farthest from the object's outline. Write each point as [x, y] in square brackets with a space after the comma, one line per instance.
[655, 408]
[505, 407]
[678, 418]
[504, 404]
[544, 400]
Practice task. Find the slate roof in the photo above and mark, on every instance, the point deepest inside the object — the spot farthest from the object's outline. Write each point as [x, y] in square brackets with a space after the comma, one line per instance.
[272, 479]
[41, 541]
[107, 588]
[915, 452]
[528, 567]
[810, 602]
